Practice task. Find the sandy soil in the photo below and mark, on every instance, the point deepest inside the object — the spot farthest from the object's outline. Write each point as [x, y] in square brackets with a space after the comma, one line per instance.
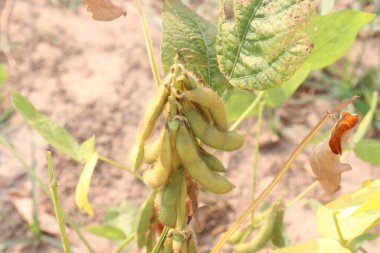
[94, 78]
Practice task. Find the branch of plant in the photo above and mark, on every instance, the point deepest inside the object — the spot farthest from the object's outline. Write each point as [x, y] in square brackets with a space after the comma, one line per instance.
[256, 153]
[57, 203]
[125, 242]
[120, 166]
[149, 43]
[250, 108]
[337, 227]
[44, 188]
[161, 240]
[279, 176]
[302, 194]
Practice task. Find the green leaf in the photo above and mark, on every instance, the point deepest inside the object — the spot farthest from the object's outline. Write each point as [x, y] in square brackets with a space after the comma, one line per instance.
[107, 231]
[193, 37]
[325, 6]
[368, 150]
[333, 35]
[322, 245]
[3, 75]
[52, 132]
[88, 148]
[122, 216]
[366, 121]
[360, 240]
[351, 224]
[238, 102]
[263, 46]
[278, 96]
[81, 191]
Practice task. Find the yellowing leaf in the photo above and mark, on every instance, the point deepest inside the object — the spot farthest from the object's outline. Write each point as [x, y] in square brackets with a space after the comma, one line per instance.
[322, 245]
[104, 10]
[88, 148]
[81, 191]
[263, 45]
[351, 223]
[373, 203]
[324, 159]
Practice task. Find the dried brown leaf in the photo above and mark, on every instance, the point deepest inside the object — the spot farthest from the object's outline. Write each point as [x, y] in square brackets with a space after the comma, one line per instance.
[104, 10]
[324, 159]
[341, 130]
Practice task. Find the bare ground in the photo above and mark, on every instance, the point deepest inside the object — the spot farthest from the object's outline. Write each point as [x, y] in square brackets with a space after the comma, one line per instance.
[95, 79]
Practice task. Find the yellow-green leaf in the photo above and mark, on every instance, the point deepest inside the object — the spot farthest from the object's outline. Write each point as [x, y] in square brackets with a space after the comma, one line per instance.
[333, 35]
[322, 245]
[107, 231]
[351, 225]
[263, 45]
[373, 203]
[52, 132]
[189, 34]
[368, 150]
[81, 191]
[88, 148]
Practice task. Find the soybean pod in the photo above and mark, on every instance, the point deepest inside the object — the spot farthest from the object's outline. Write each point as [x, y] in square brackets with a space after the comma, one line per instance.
[238, 235]
[278, 238]
[151, 115]
[210, 135]
[151, 151]
[168, 210]
[210, 100]
[168, 245]
[212, 162]
[162, 170]
[262, 237]
[192, 246]
[144, 220]
[196, 167]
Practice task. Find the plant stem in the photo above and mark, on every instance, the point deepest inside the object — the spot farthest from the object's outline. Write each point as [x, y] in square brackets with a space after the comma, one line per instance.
[36, 222]
[256, 154]
[278, 177]
[148, 41]
[56, 203]
[120, 166]
[124, 243]
[247, 111]
[336, 223]
[8, 146]
[160, 240]
[302, 194]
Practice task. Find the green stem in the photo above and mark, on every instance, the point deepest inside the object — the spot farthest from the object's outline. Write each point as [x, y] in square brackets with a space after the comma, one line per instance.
[124, 243]
[247, 111]
[148, 41]
[337, 227]
[161, 240]
[279, 176]
[120, 166]
[56, 203]
[8, 146]
[256, 154]
[36, 222]
[303, 193]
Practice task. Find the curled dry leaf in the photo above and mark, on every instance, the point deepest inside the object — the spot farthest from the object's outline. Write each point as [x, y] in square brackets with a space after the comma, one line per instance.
[341, 131]
[104, 10]
[324, 159]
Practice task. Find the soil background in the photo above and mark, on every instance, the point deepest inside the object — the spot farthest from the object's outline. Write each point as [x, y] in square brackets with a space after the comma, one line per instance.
[94, 78]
